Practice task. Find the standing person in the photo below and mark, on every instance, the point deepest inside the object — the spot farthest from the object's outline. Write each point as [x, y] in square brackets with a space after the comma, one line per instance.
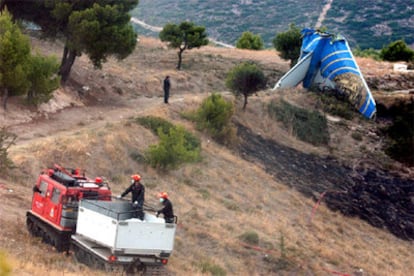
[138, 194]
[166, 86]
[167, 210]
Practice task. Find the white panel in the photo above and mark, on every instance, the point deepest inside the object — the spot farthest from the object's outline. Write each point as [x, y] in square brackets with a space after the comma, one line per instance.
[97, 227]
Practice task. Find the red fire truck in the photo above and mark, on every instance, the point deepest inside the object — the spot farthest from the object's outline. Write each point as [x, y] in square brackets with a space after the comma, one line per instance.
[56, 197]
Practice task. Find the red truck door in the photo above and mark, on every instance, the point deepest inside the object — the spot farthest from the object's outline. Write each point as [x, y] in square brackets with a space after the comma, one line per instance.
[39, 198]
[52, 206]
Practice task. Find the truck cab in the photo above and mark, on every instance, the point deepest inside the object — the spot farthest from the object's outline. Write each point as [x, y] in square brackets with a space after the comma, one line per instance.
[55, 201]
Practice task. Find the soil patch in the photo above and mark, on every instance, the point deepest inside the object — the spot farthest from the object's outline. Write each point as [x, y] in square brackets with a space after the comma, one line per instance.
[383, 199]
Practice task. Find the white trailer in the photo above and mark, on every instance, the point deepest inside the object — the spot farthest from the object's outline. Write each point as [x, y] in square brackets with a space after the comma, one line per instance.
[109, 234]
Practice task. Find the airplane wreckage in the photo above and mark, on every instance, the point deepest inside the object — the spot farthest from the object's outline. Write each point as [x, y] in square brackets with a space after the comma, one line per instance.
[326, 62]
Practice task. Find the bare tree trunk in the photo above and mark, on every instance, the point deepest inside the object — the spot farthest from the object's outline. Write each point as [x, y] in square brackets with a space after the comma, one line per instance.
[68, 59]
[5, 98]
[245, 101]
[180, 58]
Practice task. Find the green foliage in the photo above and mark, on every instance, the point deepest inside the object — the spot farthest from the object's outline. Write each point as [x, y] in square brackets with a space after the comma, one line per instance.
[7, 139]
[250, 237]
[400, 134]
[245, 79]
[250, 41]
[213, 269]
[172, 150]
[288, 44]
[155, 123]
[184, 36]
[5, 268]
[397, 51]
[214, 116]
[43, 78]
[367, 53]
[176, 145]
[96, 28]
[308, 126]
[102, 30]
[14, 58]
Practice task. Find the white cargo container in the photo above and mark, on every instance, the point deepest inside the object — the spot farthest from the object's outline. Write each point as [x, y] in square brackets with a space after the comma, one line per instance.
[110, 232]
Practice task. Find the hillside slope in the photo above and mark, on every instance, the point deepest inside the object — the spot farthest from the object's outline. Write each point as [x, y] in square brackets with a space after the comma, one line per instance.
[369, 24]
[229, 194]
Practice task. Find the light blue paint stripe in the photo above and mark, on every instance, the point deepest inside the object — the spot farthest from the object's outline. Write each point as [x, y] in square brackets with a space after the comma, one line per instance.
[335, 53]
[332, 64]
[346, 69]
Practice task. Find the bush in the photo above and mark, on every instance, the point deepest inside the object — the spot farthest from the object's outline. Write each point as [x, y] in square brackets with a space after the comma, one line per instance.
[250, 237]
[308, 126]
[214, 116]
[155, 123]
[250, 41]
[397, 51]
[172, 150]
[7, 139]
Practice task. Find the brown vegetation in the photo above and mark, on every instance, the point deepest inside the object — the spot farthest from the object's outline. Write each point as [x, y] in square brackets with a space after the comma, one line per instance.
[218, 200]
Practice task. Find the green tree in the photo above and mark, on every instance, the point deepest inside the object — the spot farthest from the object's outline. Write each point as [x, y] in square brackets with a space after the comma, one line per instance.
[43, 78]
[184, 36]
[397, 51]
[288, 44]
[245, 79]
[14, 59]
[99, 28]
[7, 139]
[248, 40]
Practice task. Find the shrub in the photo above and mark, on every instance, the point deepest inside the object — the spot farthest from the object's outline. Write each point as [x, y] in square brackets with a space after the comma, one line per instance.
[7, 139]
[308, 126]
[173, 149]
[250, 237]
[250, 41]
[155, 123]
[214, 116]
[213, 269]
[397, 51]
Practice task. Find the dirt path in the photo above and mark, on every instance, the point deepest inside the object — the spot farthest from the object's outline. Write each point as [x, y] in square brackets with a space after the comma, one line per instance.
[325, 10]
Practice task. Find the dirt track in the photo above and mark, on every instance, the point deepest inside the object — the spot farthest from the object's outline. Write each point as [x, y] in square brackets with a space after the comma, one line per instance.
[379, 197]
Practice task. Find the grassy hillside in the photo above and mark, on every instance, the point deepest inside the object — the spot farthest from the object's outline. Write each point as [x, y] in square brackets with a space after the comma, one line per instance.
[236, 217]
[368, 24]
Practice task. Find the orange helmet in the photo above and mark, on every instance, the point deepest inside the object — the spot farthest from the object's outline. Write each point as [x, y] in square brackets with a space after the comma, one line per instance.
[98, 180]
[163, 195]
[136, 177]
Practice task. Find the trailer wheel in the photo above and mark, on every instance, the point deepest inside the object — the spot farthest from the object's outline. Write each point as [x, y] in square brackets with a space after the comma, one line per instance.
[135, 268]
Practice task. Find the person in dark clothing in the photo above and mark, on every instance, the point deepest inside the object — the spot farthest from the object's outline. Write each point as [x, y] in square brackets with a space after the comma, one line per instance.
[138, 194]
[167, 210]
[167, 86]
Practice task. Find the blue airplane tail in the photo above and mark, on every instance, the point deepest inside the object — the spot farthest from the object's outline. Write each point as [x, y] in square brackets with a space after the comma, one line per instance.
[333, 66]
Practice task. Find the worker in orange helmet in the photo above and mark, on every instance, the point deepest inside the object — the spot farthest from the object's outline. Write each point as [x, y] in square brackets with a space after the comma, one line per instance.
[167, 210]
[98, 180]
[138, 194]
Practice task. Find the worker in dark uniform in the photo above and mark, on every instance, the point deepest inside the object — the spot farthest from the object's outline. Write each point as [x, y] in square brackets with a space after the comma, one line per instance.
[166, 86]
[138, 194]
[167, 210]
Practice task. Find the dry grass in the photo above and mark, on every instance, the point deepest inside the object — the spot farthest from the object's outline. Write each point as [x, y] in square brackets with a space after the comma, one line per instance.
[217, 200]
